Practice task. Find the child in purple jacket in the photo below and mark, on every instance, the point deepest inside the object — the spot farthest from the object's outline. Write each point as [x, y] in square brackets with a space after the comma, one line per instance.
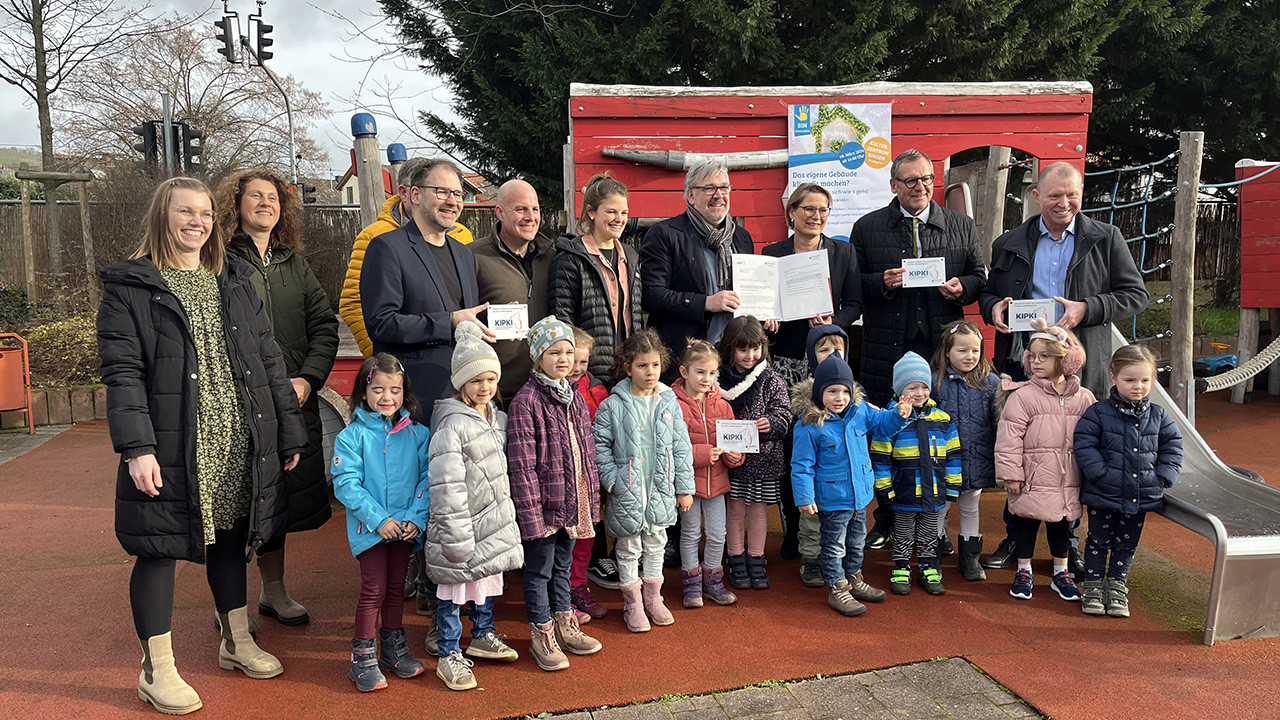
[551, 460]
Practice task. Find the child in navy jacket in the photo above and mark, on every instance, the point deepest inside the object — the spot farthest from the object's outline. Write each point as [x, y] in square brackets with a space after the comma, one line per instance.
[1129, 451]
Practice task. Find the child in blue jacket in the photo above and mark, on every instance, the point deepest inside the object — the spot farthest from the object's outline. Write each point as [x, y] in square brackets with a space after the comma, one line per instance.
[830, 441]
[917, 470]
[380, 475]
[1129, 451]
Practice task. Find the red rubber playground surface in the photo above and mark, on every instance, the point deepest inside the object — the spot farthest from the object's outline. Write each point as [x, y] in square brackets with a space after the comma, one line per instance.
[70, 650]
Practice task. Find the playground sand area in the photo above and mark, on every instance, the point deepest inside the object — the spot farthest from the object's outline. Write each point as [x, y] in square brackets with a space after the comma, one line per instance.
[72, 652]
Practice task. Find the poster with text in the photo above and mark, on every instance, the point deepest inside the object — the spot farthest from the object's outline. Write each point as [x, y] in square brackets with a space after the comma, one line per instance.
[846, 149]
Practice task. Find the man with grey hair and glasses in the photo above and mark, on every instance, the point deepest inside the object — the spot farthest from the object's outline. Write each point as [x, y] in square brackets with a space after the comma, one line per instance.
[686, 266]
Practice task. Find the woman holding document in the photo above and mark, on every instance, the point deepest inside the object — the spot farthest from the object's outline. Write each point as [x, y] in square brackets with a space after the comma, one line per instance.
[807, 211]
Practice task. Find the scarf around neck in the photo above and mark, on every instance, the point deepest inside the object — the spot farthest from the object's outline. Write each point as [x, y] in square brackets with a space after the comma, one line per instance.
[560, 389]
[718, 240]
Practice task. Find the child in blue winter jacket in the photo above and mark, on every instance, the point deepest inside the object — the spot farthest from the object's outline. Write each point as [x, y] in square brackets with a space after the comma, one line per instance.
[965, 388]
[917, 470]
[380, 475]
[831, 441]
[1129, 451]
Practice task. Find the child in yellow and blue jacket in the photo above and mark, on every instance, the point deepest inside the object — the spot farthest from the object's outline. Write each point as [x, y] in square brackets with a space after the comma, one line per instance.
[917, 471]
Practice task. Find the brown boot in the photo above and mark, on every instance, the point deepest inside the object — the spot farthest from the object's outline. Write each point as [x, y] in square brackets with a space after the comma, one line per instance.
[240, 652]
[841, 601]
[632, 608]
[652, 593]
[274, 600]
[860, 590]
[160, 684]
[570, 636]
[544, 649]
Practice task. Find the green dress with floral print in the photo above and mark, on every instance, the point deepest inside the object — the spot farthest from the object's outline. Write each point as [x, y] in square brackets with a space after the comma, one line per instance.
[222, 469]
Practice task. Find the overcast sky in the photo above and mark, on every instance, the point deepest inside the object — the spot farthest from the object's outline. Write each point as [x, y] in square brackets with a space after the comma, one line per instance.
[312, 45]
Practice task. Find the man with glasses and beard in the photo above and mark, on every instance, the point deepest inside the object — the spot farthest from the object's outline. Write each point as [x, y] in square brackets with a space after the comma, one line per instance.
[898, 319]
[417, 284]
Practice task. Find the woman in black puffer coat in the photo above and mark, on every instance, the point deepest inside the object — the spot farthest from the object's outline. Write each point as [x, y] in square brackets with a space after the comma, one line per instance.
[595, 277]
[261, 216]
[203, 416]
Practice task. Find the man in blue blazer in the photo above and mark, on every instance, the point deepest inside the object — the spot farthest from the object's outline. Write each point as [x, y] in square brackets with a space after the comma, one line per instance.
[417, 284]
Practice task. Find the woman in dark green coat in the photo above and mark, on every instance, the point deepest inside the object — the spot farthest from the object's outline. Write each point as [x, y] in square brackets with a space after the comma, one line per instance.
[261, 215]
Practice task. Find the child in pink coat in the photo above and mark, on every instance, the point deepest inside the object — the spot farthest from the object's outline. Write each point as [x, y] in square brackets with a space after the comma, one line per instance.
[1034, 457]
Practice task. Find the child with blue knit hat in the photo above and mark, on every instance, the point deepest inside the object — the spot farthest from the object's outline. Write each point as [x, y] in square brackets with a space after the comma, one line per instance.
[830, 440]
[916, 470]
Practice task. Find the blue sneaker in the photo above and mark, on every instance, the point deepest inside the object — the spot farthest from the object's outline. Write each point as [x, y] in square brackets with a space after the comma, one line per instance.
[1021, 585]
[1065, 587]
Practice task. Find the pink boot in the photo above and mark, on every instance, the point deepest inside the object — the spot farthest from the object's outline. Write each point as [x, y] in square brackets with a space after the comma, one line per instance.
[653, 604]
[632, 609]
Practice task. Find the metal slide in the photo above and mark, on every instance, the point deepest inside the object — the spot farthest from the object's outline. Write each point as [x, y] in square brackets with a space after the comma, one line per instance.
[1240, 514]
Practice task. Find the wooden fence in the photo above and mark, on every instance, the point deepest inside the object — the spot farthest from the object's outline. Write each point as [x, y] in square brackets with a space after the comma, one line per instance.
[330, 232]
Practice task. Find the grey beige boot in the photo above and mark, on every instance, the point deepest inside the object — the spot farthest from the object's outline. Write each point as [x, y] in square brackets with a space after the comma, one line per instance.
[1093, 597]
[238, 650]
[159, 683]
[1117, 598]
[544, 648]
[860, 590]
[841, 601]
[274, 600]
[569, 635]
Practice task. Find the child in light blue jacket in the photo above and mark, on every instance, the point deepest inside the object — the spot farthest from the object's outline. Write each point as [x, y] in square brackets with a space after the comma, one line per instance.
[831, 476]
[646, 467]
[380, 475]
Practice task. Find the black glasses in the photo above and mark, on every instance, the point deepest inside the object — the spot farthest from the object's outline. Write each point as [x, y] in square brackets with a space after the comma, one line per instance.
[711, 190]
[813, 210]
[442, 193]
[913, 182]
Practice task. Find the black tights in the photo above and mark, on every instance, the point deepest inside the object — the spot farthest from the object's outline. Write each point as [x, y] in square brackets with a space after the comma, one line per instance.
[151, 585]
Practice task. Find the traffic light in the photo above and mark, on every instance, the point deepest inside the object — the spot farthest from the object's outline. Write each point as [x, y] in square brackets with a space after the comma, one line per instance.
[149, 145]
[308, 194]
[227, 36]
[264, 42]
[192, 147]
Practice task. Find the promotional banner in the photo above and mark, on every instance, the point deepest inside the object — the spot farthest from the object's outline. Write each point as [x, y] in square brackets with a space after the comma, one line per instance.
[847, 150]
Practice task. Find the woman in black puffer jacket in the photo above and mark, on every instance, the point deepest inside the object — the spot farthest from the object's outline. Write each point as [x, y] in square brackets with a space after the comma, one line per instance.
[203, 416]
[260, 216]
[595, 277]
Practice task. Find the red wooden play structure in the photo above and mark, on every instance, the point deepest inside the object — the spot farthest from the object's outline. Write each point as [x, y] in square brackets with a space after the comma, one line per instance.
[1049, 121]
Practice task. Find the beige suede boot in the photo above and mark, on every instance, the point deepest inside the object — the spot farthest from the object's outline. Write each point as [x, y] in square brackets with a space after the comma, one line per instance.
[240, 652]
[159, 683]
[274, 601]
[570, 637]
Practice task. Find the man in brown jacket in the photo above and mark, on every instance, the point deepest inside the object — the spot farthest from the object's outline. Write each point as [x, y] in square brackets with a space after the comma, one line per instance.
[513, 264]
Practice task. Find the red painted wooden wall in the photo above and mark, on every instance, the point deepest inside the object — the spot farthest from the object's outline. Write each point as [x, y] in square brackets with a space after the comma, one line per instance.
[1048, 126]
[1259, 237]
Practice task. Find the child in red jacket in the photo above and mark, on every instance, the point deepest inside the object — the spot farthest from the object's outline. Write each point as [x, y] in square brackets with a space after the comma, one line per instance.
[702, 406]
[589, 551]
[588, 387]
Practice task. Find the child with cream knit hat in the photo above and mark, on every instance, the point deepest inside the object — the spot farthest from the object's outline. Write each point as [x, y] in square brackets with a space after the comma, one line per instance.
[472, 536]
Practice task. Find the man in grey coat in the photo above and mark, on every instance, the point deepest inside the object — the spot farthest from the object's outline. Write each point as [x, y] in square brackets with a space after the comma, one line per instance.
[1085, 266]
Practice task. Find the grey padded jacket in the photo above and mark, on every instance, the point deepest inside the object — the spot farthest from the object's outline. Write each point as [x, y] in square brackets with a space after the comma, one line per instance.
[472, 531]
